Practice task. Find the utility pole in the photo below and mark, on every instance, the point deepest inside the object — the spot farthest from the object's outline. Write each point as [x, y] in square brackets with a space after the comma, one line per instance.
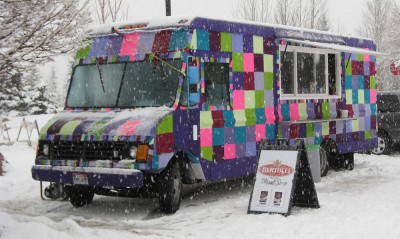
[168, 7]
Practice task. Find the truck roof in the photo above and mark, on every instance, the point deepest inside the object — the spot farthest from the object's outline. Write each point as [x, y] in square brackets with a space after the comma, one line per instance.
[234, 26]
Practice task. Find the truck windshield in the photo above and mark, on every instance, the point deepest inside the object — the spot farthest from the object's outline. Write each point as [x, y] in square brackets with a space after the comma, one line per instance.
[132, 84]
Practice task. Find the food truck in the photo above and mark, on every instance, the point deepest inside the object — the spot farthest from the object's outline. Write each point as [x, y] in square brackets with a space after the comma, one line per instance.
[156, 104]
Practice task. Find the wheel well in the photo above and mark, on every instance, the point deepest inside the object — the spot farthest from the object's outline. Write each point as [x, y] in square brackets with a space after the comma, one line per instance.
[183, 159]
[383, 132]
[330, 145]
[332, 151]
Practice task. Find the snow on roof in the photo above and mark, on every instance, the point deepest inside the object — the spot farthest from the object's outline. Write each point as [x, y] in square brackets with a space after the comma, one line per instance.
[152, 23]
[181, 21]
[339, 48]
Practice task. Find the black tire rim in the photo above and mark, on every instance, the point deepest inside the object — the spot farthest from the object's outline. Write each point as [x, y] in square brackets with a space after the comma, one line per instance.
[323, 160]
[176, 184]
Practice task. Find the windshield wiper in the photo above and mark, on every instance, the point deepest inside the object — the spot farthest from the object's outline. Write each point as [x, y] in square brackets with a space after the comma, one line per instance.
[120, 86]
[163, 76]
[101, 77]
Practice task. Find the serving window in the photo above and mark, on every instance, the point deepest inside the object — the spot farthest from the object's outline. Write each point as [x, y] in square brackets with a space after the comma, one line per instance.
[309, 72]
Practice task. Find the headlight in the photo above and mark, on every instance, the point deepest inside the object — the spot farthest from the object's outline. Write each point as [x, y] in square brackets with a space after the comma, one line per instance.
[133, 151]
[115, 153]
[45, 149]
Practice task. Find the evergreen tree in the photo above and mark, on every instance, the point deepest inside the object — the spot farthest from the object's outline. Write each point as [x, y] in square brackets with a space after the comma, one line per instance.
[52, 91]
[12, 94]
[38, 102]
[324, 23]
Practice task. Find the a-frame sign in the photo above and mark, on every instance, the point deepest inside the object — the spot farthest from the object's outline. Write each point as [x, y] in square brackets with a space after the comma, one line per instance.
[283, 180]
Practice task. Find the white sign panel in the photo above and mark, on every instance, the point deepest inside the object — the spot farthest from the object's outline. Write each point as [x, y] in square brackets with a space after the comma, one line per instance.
[274, 181]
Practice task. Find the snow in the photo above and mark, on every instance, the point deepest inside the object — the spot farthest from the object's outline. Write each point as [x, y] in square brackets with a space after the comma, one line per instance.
[154, 114]
[161, 22]
[148, 117]
[363, 203]
[187, 20]
[338, 48]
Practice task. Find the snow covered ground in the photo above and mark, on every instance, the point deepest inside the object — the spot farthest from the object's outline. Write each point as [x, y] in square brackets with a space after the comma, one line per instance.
[363, 203]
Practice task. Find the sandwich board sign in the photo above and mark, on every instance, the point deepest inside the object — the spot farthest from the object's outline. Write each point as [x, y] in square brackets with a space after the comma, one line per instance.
[283, 179]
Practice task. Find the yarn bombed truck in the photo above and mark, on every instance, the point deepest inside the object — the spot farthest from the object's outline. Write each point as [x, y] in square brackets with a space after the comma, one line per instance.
[155, 104]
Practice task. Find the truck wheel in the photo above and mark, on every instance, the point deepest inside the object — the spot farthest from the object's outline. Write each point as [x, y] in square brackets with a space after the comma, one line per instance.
[324, 159]
[170, 187]
[81, 196]
[349, 161]
[384, 144]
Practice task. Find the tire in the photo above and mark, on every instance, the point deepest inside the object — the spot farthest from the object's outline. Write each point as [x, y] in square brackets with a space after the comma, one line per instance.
[324, 159]
[170, 187]
[384, 144]
[348, 161]
[81, 196]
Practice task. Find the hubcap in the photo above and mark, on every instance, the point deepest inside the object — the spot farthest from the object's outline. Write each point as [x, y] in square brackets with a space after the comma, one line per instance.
[176, 184]
[381, 146]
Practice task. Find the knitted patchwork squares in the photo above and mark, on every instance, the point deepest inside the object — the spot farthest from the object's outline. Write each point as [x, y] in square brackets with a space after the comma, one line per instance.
[231, 131]
[359, 99]
[134, 46]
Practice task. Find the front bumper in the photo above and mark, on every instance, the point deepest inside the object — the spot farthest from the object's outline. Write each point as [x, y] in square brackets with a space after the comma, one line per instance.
[111, 177]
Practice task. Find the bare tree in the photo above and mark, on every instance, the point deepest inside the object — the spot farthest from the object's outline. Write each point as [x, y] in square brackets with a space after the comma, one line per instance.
[311, 14]
[390, 44]
[380, 22]
[284, 12]
[110, 10]
[302, 13]
[102, 11]
[299, 15]
[115, 10]
[375, 20]
[317, 14]
[32, 31]
[255, 10]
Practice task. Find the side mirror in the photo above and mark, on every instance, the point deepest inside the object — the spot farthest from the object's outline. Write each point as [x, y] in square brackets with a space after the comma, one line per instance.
[193, 75]
[194, 98]
[193, 78]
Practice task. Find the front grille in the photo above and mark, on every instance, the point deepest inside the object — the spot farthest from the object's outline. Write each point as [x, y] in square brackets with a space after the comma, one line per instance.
[87, 150]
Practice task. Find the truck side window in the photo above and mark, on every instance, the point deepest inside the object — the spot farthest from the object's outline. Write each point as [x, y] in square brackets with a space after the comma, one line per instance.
[216, 76]
[287, 71]
[310, 73]
[332, 74]
[306, 71]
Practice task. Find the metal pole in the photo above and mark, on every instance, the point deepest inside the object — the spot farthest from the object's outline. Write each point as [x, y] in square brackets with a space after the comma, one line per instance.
[168, 7]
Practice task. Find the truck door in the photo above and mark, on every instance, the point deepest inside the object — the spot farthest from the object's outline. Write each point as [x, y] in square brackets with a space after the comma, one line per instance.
[213, 135]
